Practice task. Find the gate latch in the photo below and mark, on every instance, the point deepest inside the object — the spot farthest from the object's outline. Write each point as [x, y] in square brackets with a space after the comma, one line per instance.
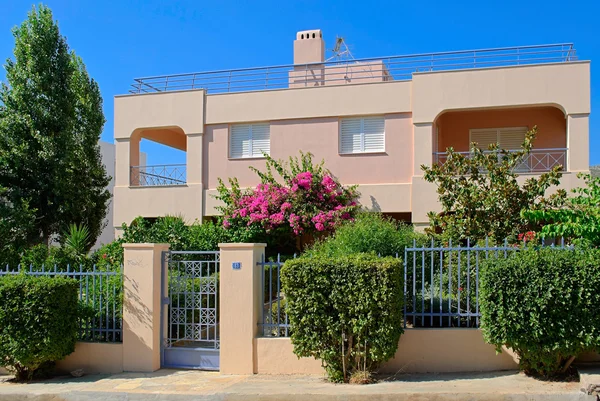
[166, 301]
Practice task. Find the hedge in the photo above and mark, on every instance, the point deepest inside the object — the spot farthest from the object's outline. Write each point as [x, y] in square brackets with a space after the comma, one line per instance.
[38, 322]
[544, 304]
[346, 311]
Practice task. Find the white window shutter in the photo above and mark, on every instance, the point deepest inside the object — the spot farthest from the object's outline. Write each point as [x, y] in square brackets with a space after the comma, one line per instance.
[512, 139]
[261, 140]
[374, 134]
[239, 141]
[484, 137]
[350, 135]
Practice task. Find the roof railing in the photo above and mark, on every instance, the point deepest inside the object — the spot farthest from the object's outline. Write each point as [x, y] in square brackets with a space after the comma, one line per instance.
[365, 70]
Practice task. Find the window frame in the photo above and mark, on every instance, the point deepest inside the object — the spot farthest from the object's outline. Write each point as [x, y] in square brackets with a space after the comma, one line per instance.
[250, 141]
[498, 130]
[362, 135]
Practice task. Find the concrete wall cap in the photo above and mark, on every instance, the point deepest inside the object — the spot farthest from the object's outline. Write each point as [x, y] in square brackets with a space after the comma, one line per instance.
[500, 67]
[242, 245]
[145, 246]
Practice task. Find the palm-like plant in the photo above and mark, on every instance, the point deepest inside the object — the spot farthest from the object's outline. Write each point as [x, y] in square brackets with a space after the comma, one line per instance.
[77, 239]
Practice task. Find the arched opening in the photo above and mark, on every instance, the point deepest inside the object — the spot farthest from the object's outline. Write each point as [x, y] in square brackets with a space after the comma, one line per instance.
[165, 162]
[507, 127]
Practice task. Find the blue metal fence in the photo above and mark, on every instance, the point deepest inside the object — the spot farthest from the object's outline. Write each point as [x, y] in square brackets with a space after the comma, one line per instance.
[441, 282]
[441, 285]
[274, 318]
[100, 298]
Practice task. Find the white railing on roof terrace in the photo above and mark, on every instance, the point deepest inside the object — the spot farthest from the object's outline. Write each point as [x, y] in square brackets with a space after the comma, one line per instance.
[366, 70]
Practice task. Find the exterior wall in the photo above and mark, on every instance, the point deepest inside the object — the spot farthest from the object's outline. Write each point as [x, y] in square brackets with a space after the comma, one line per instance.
[565, 85]
[419, 351]
[454, 126]
[184, 200]
[320, 137]
[94, 358]
[327, 101]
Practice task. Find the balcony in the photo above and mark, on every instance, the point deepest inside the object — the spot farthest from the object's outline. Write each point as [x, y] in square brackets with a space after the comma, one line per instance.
[158, 175]
[356, 71]
[538, 161]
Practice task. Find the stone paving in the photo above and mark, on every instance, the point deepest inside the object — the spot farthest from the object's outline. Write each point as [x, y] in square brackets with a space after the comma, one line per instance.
[196, 385]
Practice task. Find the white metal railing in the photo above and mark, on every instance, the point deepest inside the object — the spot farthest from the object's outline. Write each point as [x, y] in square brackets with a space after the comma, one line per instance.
[538, 161]
[380, 69]
[158, 175]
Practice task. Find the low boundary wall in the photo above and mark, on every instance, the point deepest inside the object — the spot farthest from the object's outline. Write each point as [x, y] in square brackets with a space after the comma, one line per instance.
[94, 358]
[419, 351]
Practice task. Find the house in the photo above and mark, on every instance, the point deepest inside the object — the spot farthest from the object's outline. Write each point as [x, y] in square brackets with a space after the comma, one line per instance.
[374, 121]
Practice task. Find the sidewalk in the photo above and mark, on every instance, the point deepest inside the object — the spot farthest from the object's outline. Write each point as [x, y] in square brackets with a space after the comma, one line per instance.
[197, 385]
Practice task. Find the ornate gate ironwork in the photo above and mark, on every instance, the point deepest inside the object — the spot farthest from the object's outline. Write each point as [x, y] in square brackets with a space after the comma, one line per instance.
[190, 329]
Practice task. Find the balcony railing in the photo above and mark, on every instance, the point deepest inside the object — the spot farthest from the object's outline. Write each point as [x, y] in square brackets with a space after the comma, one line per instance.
[538, 161]
[159, 175]
[380, 69]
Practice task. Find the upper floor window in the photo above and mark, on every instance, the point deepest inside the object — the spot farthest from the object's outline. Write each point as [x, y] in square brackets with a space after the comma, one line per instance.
[506, 138]
[362, 135]
[249, 140]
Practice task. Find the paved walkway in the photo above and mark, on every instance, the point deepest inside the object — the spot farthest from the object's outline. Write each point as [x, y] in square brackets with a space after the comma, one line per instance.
[195, 385]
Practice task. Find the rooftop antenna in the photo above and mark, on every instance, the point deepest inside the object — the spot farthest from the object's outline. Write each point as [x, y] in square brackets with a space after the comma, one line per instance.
[340, 51]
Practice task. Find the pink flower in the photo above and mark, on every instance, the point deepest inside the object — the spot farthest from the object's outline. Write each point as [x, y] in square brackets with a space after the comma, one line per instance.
[277, 218]
[286, 206]
[226, 223]
[304, 180]
[328, 183]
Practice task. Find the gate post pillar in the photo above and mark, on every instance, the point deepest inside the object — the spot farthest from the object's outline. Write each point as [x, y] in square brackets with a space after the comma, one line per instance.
[142, 303]
[240, 305]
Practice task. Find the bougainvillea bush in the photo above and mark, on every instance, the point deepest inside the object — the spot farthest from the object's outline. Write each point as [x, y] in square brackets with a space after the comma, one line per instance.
[303, 201]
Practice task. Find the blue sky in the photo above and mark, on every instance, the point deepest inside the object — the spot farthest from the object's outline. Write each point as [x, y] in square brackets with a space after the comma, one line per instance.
[123, 39]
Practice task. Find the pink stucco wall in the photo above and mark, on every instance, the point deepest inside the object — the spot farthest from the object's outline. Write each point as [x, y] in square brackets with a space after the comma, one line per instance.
[320, 137]
[454, 126]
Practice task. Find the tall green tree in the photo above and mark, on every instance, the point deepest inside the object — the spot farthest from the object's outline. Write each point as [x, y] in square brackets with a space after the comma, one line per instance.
[481, 196]
[50, 122]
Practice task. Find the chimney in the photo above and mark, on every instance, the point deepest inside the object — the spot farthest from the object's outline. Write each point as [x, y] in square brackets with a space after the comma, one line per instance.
[309, 47]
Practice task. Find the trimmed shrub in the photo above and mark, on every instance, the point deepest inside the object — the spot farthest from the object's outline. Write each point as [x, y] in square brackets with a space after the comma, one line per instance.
[345, 311]
[544, 304]
[369, 232]
[38, 322]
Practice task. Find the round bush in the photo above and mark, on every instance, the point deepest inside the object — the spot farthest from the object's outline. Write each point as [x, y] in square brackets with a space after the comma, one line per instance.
[345, 311]
[368, 233]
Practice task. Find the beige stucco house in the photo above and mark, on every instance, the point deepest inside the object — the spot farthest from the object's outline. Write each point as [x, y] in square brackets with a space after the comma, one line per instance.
[374, 121]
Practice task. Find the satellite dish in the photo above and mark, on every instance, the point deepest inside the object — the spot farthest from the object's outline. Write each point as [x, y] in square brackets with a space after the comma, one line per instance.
[341, 51]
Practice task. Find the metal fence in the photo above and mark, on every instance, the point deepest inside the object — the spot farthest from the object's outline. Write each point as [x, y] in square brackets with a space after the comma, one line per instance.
[274, 318]
[341, 72]
[159, 175]
[441, 285]
[539, 160]
[100, 299]
[441, 282]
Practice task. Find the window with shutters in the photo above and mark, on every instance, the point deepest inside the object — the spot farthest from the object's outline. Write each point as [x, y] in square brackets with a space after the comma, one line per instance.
[362, 135]
[506, 138]
[249, 140]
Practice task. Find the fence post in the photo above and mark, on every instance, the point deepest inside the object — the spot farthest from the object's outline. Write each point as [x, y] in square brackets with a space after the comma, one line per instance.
[240, 300]
[142, 280]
